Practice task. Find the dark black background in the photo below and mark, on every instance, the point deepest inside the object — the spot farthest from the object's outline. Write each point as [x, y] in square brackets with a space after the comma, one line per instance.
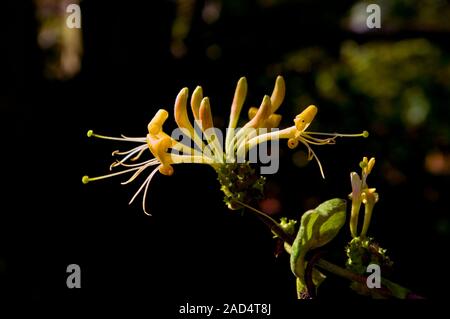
[193, 248]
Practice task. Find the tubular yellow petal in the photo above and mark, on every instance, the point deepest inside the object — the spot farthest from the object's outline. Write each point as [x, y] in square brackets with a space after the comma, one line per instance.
[354, 214]
[196, 99]
[236, 106]
[181, 116]
[207, 125]
[305, 118]
[273, 121]
[288, 132]
[166, 169]
[278, 94]
[370, 165]
[369, 198]
[159, 147]
[356, 185]
[205, 114]
[155, 125]
[180, 111]
[262, 114]
[238, 101]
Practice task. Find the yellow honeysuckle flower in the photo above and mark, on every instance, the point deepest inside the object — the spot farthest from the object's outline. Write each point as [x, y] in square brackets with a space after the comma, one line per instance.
[167, 151]
[362, 194]
[297, 133]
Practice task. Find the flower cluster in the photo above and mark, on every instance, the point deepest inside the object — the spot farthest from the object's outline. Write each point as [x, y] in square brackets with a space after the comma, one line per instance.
[362, 194]
[201, 143]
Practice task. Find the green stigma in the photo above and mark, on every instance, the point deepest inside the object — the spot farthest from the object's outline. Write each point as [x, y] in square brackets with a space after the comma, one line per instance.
[85, 178]
[365, 134]
[90, 133]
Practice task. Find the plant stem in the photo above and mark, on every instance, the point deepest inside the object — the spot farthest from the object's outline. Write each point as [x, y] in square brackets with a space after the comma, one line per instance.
[271, 223]
[390, 289]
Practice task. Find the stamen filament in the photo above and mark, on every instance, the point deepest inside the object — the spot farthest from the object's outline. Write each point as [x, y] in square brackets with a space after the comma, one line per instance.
[139, 149]
[310, 150]
[86, 179]
[137, 173]
[143, 139]
[139, 154]
[91, 133]
[146, 189]
[154, 160]
[149, 178]
[317, 141]
[117, 152]
[363, 134]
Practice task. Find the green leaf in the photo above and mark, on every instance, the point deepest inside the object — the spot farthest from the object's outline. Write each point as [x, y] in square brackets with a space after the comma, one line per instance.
[317, 228]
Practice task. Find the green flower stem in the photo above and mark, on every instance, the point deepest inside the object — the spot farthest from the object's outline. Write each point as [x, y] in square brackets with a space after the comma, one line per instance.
[270, 222]
[390, 289]
[344, 273]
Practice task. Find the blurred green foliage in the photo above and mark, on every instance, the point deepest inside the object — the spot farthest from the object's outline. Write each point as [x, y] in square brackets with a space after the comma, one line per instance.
[397, 85]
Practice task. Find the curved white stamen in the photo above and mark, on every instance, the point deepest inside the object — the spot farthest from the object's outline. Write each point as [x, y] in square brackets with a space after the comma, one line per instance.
[338, 134]
[87, 179]
[154, 160]
[149, 178]
[140, 139]
[139, 150]
[124, 138]
[317, 141]
[117, 152]
[310, 150]
[138, 155]
[146, 189]
[138, 172]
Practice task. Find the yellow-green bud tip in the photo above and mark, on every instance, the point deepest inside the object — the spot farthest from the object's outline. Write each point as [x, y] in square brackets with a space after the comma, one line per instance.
[85, 179]
[90, 133]
[365, 134]
[362, 164]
